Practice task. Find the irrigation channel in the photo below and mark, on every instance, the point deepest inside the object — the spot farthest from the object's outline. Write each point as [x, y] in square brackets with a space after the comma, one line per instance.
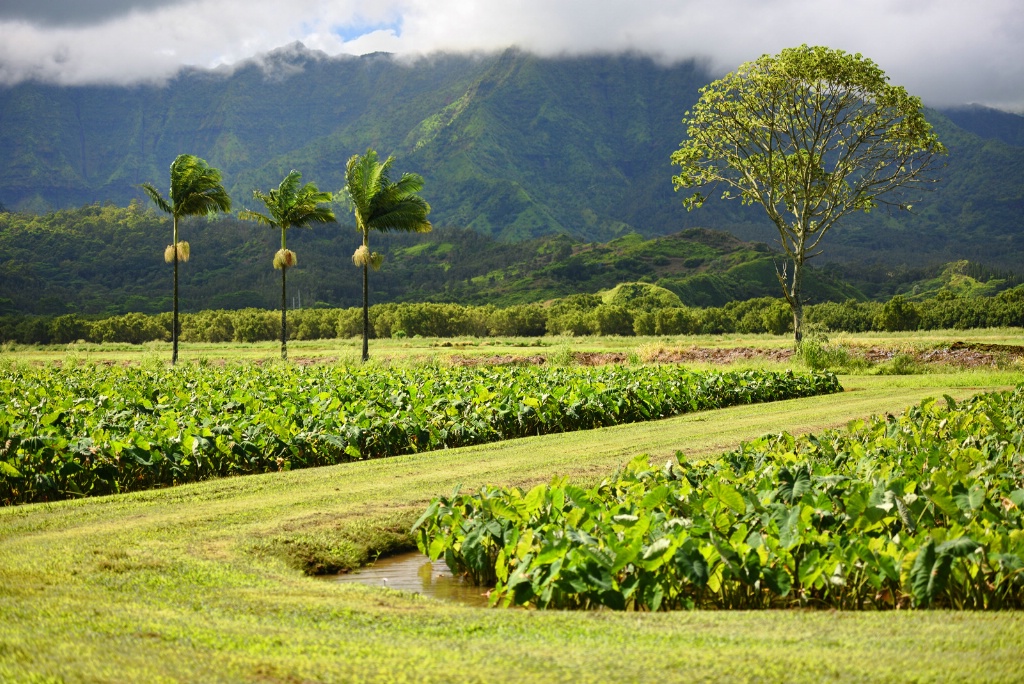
[414, 572]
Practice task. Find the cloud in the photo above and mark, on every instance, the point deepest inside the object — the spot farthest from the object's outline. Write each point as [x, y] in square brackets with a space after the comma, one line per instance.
[947, 51]
[75, 13]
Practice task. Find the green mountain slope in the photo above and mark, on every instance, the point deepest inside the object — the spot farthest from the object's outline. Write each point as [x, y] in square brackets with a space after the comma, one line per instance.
[512, 145]
[105, 259]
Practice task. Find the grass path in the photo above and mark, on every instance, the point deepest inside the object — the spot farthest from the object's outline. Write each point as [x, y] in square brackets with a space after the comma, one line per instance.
[200, 582]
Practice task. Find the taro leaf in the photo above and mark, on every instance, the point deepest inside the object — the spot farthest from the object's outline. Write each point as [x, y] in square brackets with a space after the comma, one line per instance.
[932, 566]
[750, 571]
[8, 470]
[924, 573]
[429, 513]
[904, 512]
[579, 498]
[728, 496]
[944, 503]
[535, 498]
[777, 579]
[653, 595]
[1009, 561]
[856, 503]
[959, 547]
[693, 565]
[597, 576]
[998, 424]
[436, 548]
[655, 497]
[613, 599]
[793, 484]
[501, 567]
[888, 566]
[969, 499]
[789, 528]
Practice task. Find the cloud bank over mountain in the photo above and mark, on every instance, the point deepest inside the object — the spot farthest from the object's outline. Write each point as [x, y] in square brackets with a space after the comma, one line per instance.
[947, 51]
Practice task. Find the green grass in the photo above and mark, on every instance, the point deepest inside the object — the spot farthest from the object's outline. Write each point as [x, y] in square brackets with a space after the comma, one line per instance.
[207, 582]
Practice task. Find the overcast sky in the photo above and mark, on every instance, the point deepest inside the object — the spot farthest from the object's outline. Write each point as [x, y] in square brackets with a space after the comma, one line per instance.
[947, 51]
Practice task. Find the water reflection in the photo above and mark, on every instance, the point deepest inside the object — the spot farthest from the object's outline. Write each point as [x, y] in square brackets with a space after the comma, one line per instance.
[414, 572]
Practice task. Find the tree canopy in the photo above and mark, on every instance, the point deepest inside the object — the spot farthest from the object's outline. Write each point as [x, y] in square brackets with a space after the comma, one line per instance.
[811, 134]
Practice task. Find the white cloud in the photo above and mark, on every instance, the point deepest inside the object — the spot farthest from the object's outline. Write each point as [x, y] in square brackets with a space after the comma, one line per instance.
[947, 51]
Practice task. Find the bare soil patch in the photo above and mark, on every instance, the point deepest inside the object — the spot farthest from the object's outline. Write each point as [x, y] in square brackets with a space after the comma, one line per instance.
[963, 354]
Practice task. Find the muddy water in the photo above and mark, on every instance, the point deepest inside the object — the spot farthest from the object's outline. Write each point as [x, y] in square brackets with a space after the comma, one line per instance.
[414, 572]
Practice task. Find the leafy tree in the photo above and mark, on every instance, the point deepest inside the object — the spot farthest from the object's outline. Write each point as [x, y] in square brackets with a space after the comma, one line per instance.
[289, 206]
[811, 134]
[196, 190]
[381, 204]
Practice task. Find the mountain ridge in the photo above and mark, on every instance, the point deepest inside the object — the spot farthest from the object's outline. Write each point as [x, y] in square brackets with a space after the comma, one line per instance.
[512, 145]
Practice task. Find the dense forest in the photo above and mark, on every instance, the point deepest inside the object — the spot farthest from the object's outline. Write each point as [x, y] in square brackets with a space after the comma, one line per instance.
[103, 259]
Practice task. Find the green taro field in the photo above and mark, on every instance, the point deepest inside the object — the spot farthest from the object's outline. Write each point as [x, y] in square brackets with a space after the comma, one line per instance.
[636, 521]
[91, 430]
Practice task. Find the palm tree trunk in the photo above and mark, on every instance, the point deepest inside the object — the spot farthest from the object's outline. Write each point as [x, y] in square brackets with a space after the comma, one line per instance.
[284, 316]
[366, 313]
[174, 315]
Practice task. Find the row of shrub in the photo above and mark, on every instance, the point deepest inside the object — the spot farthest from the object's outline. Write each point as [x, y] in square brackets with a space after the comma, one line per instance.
[921, 510]
[87, 430]
[574, 315]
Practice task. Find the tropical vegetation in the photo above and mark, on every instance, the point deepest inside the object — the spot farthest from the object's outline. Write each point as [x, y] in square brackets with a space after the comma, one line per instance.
[70, 432]
[921, 510]
[196, 190]
[626, 310]
[382, 205]
[290, 207]
[97, 260]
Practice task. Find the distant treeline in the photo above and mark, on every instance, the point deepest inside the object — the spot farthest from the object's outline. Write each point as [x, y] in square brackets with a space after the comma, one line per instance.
[573, 315]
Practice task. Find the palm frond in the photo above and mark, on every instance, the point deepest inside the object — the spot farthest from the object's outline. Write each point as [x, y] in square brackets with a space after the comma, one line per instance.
[157, 198]
[196, 187]
[408, 214]
[292, 206]
[380, 204]
[288, 188]
[247, 215]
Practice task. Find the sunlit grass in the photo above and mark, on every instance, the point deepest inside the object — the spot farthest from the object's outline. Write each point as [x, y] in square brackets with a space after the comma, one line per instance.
[420, 350]
[207, 582]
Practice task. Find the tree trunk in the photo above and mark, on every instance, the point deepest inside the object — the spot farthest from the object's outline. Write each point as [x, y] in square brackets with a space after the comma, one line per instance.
[796, 302]
[366, 313]
[174, 315]
[284, 316]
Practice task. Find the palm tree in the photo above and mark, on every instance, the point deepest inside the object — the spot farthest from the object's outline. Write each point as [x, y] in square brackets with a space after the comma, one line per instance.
[289, 206]
[195, 190]
[382, 205]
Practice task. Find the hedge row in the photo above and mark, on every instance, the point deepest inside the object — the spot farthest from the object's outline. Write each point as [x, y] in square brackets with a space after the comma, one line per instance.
[574, 315]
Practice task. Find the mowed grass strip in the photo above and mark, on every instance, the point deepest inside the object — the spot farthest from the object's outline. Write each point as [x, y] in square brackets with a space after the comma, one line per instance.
[202, 582]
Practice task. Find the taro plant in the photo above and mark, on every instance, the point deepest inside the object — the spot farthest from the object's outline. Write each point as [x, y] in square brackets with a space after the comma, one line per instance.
[922, 510]
[196, 190]
[289, 206]
[87, 430]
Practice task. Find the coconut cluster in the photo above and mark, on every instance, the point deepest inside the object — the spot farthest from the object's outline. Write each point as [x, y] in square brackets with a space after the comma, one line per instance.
[183, 252]
[363, 257]
[284, 258]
